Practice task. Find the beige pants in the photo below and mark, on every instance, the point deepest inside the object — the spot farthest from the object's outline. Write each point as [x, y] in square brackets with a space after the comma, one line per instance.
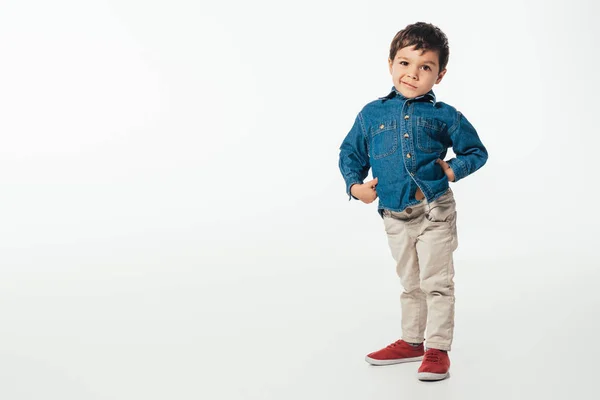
[422, 239]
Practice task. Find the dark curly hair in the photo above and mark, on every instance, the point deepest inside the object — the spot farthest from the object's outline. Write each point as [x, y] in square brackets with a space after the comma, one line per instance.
[423, 36]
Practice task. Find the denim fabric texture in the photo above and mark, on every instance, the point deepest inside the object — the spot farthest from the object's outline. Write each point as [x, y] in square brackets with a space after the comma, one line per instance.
[400, 139]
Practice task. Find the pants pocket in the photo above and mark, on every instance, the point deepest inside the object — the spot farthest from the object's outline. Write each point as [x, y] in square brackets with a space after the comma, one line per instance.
[443, 209]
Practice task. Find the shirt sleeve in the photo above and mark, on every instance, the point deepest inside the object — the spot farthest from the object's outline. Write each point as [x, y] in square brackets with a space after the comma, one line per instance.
[470, 152]
[354, 156]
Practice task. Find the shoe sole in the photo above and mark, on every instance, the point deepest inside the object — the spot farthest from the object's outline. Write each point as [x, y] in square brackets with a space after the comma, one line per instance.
[373, 361]
[430, 376]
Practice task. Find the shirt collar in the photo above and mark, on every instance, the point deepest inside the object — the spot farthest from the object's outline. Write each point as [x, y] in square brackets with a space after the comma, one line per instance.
[429, 96]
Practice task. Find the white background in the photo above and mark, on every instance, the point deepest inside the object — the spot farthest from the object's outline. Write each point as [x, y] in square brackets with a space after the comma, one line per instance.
[173, 223]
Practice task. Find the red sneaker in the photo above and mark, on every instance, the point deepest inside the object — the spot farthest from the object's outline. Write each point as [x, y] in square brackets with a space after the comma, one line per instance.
[395, 353]
[435, 365]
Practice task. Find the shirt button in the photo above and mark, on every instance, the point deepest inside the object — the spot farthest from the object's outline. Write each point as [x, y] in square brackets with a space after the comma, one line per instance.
[409, 210]
[406, 117]
[408, 155]
[381, 126]
[406, 135]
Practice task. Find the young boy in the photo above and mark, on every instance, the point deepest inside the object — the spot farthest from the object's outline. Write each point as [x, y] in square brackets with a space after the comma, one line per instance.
[403, 137]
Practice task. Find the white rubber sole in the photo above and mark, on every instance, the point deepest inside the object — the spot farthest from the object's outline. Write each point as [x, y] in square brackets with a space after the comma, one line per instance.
[430, 376]
[373, 361]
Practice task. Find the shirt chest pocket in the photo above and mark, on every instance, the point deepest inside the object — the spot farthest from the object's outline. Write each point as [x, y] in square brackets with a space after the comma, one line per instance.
[429, 134]
[384, 139]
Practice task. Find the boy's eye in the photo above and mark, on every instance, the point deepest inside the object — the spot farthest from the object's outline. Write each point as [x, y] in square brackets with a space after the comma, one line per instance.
[403, 63]
[426, 68]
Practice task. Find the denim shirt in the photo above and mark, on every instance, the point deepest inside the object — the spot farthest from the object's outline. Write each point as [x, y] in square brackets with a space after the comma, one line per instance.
[401, 139]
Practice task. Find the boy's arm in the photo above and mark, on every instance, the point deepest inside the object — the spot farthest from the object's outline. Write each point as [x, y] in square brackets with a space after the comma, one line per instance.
[471, 154]
[354, 156]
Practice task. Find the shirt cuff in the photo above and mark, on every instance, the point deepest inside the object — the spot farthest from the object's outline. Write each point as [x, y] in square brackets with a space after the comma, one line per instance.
[350, 196]
[459, 168]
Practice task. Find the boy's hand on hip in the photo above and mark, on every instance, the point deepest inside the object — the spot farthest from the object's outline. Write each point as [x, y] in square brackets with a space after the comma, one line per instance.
[447, 169]
[365, 192]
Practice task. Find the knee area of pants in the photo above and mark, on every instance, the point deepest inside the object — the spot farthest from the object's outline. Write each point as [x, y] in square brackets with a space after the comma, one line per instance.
[414, 291]
[436, 289]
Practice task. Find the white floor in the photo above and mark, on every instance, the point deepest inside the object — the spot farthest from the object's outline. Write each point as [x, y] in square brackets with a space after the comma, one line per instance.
[265, 322]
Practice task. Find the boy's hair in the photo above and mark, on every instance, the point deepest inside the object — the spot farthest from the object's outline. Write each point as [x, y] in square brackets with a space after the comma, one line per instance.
[423, 36]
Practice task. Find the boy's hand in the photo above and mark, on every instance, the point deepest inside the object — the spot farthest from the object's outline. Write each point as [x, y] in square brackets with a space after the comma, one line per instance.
[365, 192]
[447, 169]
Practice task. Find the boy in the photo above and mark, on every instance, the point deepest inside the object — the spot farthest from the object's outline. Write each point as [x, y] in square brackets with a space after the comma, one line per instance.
[403, 137]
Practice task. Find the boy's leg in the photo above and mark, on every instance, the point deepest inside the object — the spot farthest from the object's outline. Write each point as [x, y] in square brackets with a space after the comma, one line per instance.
[402, 234]
[435, 245]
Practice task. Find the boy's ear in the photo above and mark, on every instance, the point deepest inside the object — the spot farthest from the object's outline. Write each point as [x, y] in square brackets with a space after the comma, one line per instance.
[390, 62]
[440, 76]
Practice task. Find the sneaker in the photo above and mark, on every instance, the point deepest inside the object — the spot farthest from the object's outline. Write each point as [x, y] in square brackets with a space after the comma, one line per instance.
[435, 365]
[395, 353]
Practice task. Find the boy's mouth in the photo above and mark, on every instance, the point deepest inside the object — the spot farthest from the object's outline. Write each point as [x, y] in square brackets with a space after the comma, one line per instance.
[409, 85]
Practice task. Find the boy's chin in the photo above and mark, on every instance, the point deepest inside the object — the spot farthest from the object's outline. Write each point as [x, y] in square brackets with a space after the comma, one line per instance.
[409, 93]
[406, 93]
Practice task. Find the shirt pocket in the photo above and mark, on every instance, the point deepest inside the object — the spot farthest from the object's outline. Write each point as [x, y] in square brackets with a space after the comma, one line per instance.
[429, 135]
[384, 139]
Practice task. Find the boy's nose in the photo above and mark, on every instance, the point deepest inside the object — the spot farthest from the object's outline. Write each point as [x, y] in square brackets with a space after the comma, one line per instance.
[412, 74]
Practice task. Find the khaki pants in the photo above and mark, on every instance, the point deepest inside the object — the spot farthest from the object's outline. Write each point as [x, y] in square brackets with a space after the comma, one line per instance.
[422, 239]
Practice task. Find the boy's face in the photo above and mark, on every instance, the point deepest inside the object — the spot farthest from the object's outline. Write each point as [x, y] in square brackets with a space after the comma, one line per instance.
[414, 72]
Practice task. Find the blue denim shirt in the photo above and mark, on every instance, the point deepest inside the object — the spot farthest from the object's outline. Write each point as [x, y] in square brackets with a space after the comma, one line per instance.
[401, 139]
